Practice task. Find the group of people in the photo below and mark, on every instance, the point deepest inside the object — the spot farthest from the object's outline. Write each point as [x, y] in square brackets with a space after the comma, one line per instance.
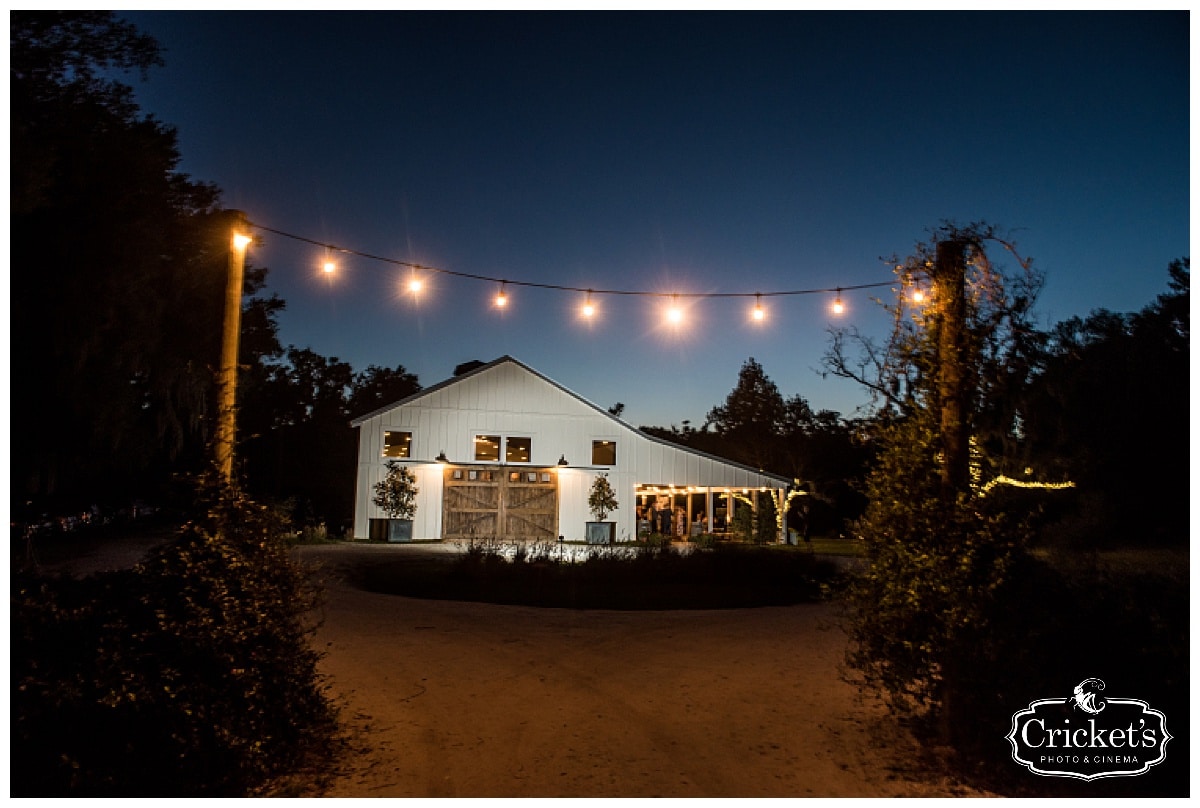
[667, 520]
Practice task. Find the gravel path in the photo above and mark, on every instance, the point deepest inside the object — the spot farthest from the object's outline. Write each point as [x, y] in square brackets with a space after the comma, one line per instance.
[449, 699]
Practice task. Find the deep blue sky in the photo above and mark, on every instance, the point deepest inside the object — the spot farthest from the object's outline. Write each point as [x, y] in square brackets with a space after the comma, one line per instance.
[732, 152]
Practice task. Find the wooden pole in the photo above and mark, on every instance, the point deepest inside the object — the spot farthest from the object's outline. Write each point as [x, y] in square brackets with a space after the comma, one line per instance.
[227, 376]
[950, 271]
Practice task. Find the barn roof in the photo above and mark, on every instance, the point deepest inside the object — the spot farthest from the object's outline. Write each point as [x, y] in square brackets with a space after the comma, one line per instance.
[357, 422]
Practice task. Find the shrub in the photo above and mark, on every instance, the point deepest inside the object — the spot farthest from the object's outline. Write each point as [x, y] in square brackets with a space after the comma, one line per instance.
[190, 675]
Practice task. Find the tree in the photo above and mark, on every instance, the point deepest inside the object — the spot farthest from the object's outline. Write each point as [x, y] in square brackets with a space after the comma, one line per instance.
[939, 549]
[378, 387]
[396, 493]
[1106, 410]
[602, 499]
[297, 409]
[750, 418]
[122, 269]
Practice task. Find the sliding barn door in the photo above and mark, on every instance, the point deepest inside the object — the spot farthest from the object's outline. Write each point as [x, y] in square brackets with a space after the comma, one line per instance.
[500, 502]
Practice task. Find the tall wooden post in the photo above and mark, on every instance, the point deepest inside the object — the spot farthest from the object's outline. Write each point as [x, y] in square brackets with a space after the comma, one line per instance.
[950, 271]
[227, 377]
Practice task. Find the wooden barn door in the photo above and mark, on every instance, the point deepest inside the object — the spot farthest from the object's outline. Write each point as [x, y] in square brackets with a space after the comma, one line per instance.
[501, 503]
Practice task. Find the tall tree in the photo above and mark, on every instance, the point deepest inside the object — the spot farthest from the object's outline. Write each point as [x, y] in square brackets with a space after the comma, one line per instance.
[120, 264]
[749, 421]
[1109, 409]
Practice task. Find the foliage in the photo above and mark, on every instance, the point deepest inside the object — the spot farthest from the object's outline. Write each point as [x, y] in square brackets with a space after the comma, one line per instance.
[766, 528]
[397, 491]
[190, 675]
[123, 266]
[934, 569]
[646, 575]
[758, 427]
[1106, 410]
[602, 499]
[938, 551]
[301, 406]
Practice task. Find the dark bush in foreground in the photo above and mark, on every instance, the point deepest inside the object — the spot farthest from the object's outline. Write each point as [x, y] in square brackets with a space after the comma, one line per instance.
[619, 577]
[1050, 628]
[188, 675]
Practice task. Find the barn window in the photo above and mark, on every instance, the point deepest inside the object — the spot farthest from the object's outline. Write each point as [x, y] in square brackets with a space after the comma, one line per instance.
[487, 448]
[397, 444]
[518, 450]
[604, 453]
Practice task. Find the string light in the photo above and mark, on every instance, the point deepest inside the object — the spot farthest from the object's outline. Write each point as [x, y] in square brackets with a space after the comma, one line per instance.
[674, 313]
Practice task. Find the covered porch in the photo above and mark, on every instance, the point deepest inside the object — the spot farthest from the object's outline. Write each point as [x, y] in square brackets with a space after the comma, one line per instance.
[681, 512]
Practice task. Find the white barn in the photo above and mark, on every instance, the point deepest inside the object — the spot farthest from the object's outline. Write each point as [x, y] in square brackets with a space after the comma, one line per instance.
[504, 452]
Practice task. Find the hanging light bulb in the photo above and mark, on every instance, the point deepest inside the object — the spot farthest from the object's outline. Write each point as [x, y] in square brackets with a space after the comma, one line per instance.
[501, 296]
[674, 313]
[328, 266]
[838, 306]
[588, 309]
[758, 313]
[918, 296]
[415, 284]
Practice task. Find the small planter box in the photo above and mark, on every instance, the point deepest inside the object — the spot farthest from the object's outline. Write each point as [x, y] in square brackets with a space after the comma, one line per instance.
[399, 530]
[601, 532]
[391, 530]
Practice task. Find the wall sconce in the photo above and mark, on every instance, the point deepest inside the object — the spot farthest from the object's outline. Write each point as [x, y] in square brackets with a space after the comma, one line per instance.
[562, 460]
[441, 458]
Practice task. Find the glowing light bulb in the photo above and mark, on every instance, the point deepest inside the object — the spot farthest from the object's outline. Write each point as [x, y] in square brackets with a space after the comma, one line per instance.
[674, 313]
[501, 298]
[588, 309]
[838, 306]
[758, 313]
[918, 296]
[414, 285]
[241, 241]
[329, 267]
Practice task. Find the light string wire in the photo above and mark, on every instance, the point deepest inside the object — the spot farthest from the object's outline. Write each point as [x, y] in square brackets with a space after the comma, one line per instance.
[555, 286]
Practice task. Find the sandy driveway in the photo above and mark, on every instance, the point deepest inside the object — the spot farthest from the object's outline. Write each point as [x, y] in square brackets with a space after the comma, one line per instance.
[471, 700]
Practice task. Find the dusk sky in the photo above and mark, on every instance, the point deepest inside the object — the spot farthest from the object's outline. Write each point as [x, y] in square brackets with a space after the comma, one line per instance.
[672, 152]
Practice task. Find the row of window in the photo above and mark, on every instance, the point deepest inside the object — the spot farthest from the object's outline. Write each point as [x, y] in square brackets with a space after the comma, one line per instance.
[487, 476]
[488, 448]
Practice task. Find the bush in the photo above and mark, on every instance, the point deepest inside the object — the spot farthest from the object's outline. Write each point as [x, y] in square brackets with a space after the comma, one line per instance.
[190, 675]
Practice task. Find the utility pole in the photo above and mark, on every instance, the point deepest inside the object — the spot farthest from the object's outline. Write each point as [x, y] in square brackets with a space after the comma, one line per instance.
[227, 375]
[950, 276]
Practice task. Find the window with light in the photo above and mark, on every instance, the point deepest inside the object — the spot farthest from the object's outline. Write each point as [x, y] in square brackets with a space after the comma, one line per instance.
[604, 453]
[397, 444]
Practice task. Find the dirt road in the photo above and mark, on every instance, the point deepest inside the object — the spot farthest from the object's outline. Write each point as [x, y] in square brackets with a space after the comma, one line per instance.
[472, 700]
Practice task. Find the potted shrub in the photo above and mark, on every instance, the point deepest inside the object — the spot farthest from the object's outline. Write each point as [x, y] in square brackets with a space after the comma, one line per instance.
[396, 494]
[602, 500]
